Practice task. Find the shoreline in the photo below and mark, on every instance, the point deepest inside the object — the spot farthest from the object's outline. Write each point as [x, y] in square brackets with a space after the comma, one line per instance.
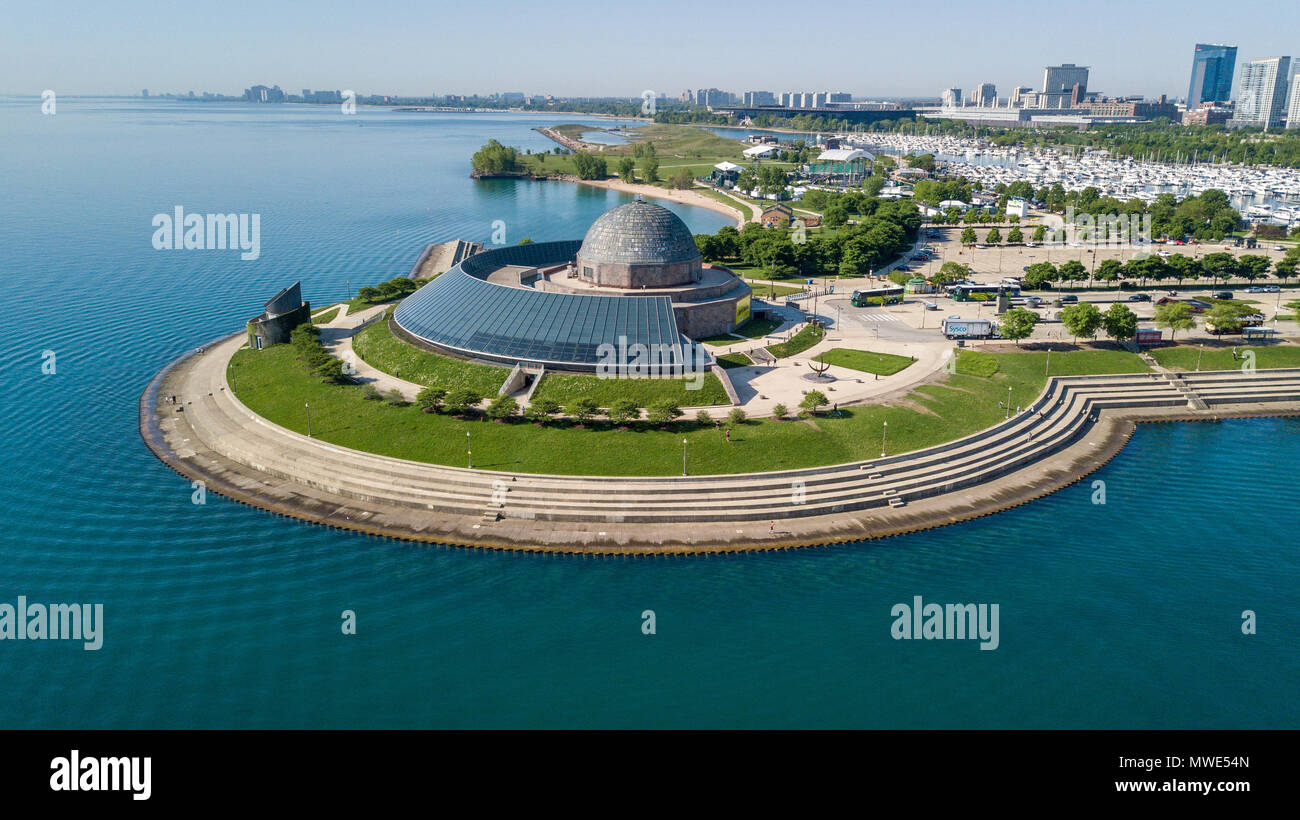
[674, 195]
[212, 437]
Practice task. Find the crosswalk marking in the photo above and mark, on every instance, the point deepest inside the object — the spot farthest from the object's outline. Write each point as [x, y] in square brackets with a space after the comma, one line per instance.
[878, 317]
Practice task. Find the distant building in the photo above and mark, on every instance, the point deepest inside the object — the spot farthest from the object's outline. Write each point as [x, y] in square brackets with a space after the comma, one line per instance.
[777, 216]
[144, 93]
[712, 96]
[1209, 114]
[752, 98]
[986, 94]
[1130, 107]
[1018, 95]
[1293, 107]
[1212, 69]
[262, 94]
[285, 311]
[951, 97]
[1262, 100]
[1061, 79]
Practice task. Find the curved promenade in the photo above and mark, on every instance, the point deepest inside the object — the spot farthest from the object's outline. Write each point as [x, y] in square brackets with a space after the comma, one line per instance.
[1075, 426]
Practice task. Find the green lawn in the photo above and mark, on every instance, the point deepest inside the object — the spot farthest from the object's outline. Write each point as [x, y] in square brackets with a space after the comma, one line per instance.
[1184, 357]
[325, 317]
[378, 347]
[275, 384]
[730, 360]
[804, 339]
[565, 387]
[883, 364]
[752, 329]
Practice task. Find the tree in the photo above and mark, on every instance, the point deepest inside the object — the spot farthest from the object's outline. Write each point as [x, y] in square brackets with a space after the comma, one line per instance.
[1110, 270]
[663, 411]
[779, 411]
[1285, 268]
[650, 169]
[589, 166]
[813, 401]
[330, 371]
[682, 179]
[627, 169]
[582, 409]
[1014, 236]
[1040, 233]
[1072, 271]
[994, 237]
[1219, 266]
[1040, 275]
[1082, 319]
[736, 416]
[703, 418]
[495, 158]
[461, 400]
[622, 411]
[1119, 322]
[968, 236]
[503, 407]
[951, 272]
[430, 399]
[1017, 324]
[1226, 317]
[542, 410]
[1254, 267]
[1176, 316]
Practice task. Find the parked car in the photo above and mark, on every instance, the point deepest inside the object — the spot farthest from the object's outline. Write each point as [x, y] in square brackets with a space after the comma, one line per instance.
[1278, 248]
[1256, 289]
[1140, 297]
[1272, 289]
[1222, 294]
[1034, 301]
[1069, 299]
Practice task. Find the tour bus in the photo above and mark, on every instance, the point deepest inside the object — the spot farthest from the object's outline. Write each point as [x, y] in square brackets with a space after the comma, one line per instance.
[887, 295]
[967, 293]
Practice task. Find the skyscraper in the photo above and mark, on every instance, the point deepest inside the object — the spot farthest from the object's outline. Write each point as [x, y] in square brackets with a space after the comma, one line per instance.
[951, 97]
[1262, 101]
[1060, 79]
[1293, 108]
[1212, 67]
[986, 94]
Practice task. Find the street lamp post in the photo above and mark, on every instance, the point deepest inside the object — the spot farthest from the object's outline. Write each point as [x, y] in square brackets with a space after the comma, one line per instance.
[683, 456]
[1199, 350]
[1008, 401]
[469, 451]
[884, 434]
[308, 406]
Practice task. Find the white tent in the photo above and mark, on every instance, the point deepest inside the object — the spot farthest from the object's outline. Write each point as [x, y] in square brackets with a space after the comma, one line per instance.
[725, 166]
[760, 151]
[844, 155]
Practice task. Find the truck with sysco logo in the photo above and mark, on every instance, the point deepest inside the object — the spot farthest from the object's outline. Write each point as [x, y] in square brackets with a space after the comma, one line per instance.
[954, 327]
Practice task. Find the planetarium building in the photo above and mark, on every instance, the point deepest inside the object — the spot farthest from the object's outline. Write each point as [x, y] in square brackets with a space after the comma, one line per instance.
[636, 283]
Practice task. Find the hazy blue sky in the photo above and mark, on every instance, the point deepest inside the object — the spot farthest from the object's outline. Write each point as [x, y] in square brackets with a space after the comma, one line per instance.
[612, 48]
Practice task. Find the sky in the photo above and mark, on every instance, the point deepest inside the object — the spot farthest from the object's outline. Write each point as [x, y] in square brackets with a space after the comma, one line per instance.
[583, 48]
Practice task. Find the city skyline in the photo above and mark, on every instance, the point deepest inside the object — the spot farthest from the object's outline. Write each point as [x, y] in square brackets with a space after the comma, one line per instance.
[113, 51]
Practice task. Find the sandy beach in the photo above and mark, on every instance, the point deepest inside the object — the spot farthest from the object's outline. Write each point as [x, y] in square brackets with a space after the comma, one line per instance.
[655, 192]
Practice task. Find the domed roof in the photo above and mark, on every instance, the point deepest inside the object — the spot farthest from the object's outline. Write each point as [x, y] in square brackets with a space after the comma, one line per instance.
[639, 233]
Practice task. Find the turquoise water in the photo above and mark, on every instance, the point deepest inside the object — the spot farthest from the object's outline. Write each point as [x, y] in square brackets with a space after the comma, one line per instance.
[1122, 615]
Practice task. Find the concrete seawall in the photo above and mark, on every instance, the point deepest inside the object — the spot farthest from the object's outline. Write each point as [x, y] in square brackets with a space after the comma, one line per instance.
[1074, 428]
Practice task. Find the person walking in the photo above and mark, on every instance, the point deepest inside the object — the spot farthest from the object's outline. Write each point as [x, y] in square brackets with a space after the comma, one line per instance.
[728, 435]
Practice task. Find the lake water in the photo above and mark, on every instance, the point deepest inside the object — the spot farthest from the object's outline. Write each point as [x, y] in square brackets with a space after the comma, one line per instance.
[1118, 615]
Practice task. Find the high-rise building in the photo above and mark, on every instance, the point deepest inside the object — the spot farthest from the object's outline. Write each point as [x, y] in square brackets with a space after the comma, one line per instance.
[839, 97]
[1262, 99]
[1212, 68]
[1293, 107]
[986, 94]
[1019, 96]
[1061, 79]
[951, 97]
[753, 98]
[712, 96]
